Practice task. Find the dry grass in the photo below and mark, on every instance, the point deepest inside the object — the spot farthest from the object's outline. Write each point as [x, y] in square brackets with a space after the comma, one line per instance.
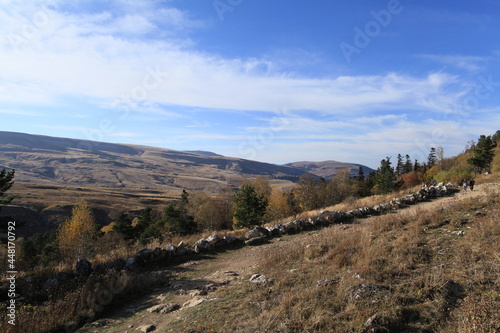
[78, 302]
[430, 277]
[408, 271]
[413, 271]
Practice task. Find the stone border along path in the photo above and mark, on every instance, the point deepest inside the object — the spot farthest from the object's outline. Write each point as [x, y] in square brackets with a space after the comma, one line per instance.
[257, 236]
[196, 280]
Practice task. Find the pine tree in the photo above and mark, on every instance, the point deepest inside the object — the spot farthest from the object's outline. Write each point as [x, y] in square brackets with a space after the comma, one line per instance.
[6, 182]
[400, 165]
[385, 181]
[123, 224]
[483, 153]
[416, 166]
[76, 236]
[249, 209]
[177, 220]
[496, 137]
[431, 159]
[408, 166]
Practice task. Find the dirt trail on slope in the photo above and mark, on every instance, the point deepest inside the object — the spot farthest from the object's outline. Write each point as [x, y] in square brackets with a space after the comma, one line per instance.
[193, 282]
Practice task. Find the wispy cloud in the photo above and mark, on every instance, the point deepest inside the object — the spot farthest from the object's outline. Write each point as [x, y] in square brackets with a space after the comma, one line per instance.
[125, 135]
[20, 112]
[469, 63]
[96, 54]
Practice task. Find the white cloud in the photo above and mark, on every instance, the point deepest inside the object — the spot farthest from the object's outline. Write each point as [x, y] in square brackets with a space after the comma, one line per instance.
[19, 112]
[96, 55]
[469, 63]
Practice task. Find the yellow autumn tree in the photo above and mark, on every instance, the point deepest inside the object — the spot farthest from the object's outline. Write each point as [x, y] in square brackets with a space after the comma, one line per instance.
[76, 237]
[279, 206]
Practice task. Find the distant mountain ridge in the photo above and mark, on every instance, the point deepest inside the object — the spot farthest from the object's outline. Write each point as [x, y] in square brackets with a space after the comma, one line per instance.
[202, 152]
[71, 162]
[45, 159]
[328, 169]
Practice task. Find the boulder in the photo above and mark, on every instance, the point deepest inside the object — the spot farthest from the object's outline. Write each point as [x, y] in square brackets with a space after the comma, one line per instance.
[255, 241]
[214, 240]
[275, 231]
[355, 213]
[117, 264]
[409, 199]
[172, 249]
[203, 242]
[200, 248]
[63, 276]
[314, 221]
[83, 268]
[257, 232]
[230, 239]
[181, 249]
[143, 256]
[147, 328]
[51, 284]
[326, 215]
[260, 279]
[159, 254]
[130, 264]
[99, 269]
[293, 226]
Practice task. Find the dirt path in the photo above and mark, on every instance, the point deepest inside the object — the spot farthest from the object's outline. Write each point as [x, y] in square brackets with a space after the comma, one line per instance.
[193, 282]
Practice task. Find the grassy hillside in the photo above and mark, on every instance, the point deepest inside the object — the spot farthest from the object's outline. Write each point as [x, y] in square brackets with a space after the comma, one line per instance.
[70, 162]
[432, 267]
[422, 270]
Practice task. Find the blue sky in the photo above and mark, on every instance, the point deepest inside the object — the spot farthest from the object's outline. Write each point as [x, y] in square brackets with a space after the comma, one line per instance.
[274, 81]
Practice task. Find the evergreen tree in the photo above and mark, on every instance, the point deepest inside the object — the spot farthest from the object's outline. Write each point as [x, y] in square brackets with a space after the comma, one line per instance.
[250, 207]
[416, 166]
[361, 183]
[400, 165]
[177, 220]
[6, 182]
[123, 224]
[144, 220]
[385, 181]
[483, 153]
[408, 167]
[496, 136]
[370, 182]
[184, 198]
[432, 158]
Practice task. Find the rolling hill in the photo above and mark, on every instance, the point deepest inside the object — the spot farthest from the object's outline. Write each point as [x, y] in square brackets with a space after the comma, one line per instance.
[328, 169]
[52, 173]
[70, 162]
[61, 161]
